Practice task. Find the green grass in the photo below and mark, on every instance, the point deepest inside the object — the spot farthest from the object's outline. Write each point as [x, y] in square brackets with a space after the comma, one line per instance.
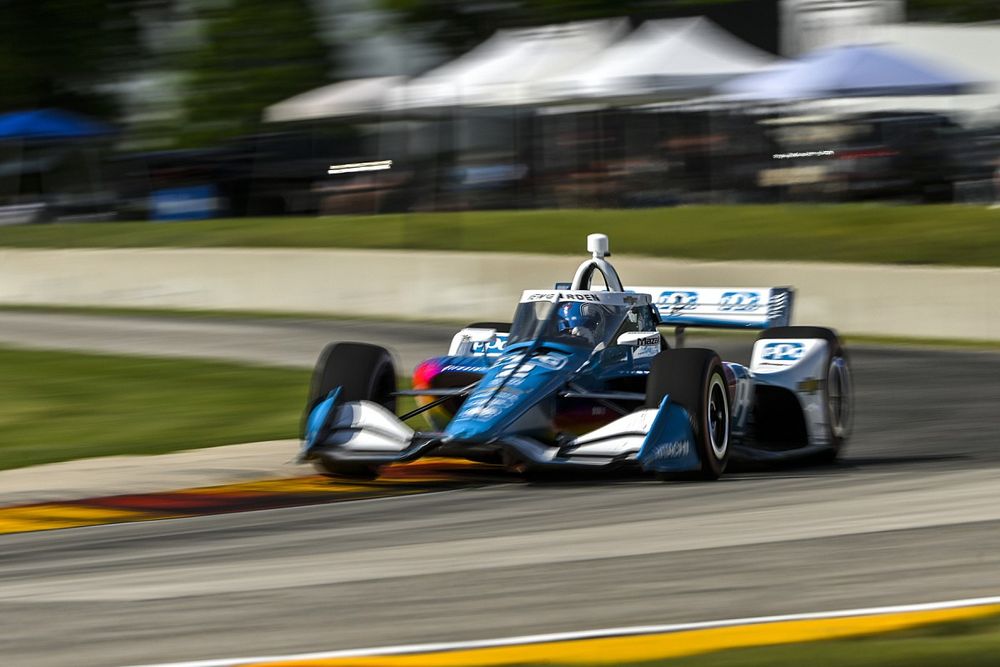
[56, 406]
[959, 235]
[974, 643]
[209, 314]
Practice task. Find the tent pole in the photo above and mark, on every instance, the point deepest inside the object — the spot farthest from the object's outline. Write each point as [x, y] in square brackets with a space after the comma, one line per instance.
[17, 178]
[93, 170]
[709, 155]
[379, 145]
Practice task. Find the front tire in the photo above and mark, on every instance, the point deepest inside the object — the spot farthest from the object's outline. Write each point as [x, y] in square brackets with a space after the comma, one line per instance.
[694, 379]
[364, 373]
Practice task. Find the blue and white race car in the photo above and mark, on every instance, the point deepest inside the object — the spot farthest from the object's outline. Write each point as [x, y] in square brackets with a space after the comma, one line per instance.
[583, 378]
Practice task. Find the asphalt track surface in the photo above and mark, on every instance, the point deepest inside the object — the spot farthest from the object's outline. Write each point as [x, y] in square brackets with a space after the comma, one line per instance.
[910, 515]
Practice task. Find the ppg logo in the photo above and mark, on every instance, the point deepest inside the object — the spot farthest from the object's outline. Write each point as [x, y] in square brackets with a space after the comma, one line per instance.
[493, 346]
[672, 303]
[739, 301]
[783, 351]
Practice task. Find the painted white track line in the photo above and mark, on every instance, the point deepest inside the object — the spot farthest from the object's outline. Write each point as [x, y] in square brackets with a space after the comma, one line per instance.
[582, 634]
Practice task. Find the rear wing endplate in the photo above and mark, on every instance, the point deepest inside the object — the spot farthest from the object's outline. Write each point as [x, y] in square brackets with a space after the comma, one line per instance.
[722, 307]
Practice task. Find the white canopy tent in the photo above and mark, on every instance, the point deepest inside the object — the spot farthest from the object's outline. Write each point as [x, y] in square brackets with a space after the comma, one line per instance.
[355, 97]
[583, 62]
[505, 69]
[660, 60]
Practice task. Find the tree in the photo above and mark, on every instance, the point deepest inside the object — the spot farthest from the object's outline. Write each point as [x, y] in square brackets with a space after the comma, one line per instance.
[459, 25]
[59, 53]
[953, 10]
[253, 53]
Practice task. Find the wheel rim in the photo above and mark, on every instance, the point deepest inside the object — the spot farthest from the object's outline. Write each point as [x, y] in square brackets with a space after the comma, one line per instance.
[838, 396]
[718, 417]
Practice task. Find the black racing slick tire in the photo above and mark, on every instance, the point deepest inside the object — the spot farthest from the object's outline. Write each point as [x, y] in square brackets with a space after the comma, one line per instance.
[695, 380]
[837, 386]
[364, 373]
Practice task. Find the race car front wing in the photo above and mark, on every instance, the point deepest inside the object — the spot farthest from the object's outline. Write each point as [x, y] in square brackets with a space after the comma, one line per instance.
[362, 432]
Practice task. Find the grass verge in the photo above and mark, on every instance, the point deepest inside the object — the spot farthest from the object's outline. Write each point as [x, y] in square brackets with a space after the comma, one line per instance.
[971, 643]
[954, 235]
[56, 406]
[231, 315]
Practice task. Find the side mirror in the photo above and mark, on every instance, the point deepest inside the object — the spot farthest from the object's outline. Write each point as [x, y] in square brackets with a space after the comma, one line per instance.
[468, 341]
[479, 335]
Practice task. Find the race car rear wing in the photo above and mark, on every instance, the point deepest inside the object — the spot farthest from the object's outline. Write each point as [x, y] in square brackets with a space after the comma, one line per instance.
[722, 307]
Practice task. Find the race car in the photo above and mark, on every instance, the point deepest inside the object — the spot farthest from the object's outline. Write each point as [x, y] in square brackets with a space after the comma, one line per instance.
[582, 378]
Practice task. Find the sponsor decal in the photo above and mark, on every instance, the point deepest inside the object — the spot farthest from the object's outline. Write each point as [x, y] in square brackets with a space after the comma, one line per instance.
[674, 449]
[809, 386]
[648, 340]
[570, 296]
[738, 378]
[646, 351]
[463, 369]
[740, 301]
[551, 361]
[492, 346]
[783, 351]
[510, 377]
[510, 374]
[564, 296]
[481, 406]
[675, 302]
[481, 412]
[584, 296]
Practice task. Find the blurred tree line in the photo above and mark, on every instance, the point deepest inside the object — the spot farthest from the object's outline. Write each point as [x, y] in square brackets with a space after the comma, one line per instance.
[60, 53]
[458, 25]
[244, 55]
[952, 10]
[252, 53]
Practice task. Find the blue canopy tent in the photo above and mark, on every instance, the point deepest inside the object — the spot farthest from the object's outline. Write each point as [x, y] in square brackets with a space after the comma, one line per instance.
[843, 77]
[46, 142]
[849, 71]
[50, 124]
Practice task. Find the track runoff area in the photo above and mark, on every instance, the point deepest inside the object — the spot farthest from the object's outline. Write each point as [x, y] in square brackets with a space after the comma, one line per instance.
[426, 476]
[591, 647]
[633, 644]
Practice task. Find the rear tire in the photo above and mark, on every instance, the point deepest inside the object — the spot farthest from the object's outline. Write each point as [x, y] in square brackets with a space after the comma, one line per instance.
[364, 373]
[838, 385]
[694, 379]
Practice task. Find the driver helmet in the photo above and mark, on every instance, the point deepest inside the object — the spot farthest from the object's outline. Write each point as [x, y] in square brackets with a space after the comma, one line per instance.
[580, 319]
